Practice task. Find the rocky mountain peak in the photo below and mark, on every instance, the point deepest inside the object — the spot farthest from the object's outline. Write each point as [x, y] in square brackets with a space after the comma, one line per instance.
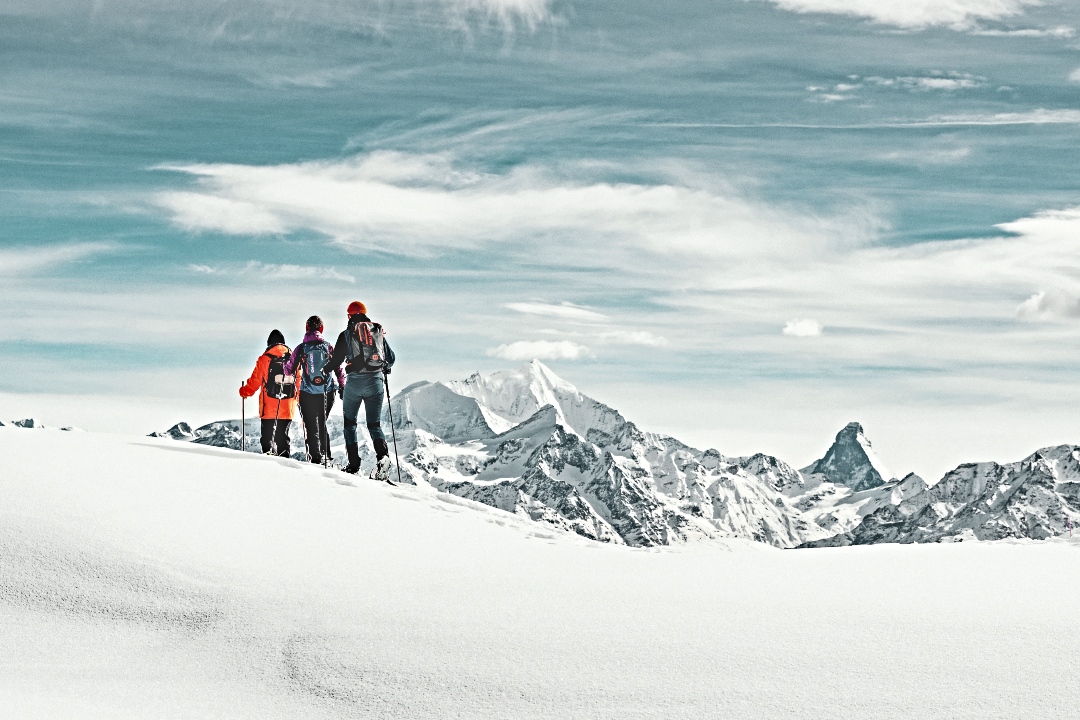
[851, 461]
[510, 397]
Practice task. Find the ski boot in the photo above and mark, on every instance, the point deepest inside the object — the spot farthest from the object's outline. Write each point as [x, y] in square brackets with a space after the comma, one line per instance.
[353, 451]
[382, 465]
[382, 469]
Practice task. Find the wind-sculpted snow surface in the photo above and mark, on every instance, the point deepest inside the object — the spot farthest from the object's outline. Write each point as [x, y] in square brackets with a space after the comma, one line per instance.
[149, 578]
[529, 443]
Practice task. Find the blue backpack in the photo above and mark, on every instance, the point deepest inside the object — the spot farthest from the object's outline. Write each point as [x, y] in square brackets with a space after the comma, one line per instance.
[316, 355]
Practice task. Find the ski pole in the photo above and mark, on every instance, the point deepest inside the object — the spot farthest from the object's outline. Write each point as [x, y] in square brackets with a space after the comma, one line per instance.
[324, 436]
[273, 438]
[393, 432]
[243, 424]
[303, 431]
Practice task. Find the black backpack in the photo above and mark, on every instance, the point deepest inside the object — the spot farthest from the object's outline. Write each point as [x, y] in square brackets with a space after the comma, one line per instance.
[279, 385]
[367, 351]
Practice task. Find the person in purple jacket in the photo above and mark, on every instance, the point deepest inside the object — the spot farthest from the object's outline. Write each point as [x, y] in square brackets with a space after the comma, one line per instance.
[316, 389]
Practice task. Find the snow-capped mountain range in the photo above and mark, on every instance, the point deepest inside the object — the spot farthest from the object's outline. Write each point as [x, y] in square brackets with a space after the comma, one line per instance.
[529, 443]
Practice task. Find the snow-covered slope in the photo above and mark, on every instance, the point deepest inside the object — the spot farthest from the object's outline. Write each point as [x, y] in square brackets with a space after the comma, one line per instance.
[145, 578]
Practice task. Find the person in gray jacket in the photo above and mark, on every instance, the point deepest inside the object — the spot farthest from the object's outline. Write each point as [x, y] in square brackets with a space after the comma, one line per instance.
[367, 357]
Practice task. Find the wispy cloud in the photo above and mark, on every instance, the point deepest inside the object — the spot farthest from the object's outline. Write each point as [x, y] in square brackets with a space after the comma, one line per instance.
[565, 310]
[540, 350]
[1061, 31]
[928, 155]
[947, 81]
[938, 80]
[962, 15]
[612, 336]
[276, 272]
[29, 260]
[421, 204]
[202, 211]
[322, 78]
[633, 337]
[1040, 116]
[282, 21]
[1037, 116]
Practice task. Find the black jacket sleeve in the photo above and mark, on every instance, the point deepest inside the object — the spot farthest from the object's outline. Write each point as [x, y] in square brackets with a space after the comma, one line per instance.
[338, 356]
[390, 357]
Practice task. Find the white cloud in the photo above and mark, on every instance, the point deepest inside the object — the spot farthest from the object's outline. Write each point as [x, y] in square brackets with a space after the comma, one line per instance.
[27, 260]
[1074, 76]
[802, 328]
[944, 304]
[915, 14]
[1062, 31]
[833, 97]
[420, 204]
[201, 211]
[633, 337]
[297, 272]
[941, 83]
[566, 311]
[1040, 116]
[947, 81]
[540, 350]
[277, 272]
[1049, 305]
[928, 156]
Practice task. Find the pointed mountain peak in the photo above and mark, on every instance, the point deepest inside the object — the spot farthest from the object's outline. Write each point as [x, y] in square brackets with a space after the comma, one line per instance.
[509, 397]
[851, 461]
[536, 371]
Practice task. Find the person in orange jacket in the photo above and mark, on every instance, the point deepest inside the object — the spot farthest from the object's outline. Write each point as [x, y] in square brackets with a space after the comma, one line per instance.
[278, 400]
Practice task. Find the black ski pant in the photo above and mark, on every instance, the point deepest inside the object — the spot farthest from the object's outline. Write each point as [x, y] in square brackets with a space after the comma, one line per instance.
[314, 409]
[283, 448]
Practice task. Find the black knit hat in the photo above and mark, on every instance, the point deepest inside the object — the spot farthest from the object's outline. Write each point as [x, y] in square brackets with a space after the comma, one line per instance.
[276, 338]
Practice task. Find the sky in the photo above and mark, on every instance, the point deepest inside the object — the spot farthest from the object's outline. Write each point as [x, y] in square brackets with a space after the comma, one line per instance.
[741, 222]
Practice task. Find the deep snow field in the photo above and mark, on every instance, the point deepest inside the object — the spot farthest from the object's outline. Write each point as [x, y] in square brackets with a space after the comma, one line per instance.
[144, 578]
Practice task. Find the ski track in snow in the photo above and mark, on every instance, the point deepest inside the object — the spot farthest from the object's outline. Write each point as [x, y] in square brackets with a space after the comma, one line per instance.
[141, 578]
